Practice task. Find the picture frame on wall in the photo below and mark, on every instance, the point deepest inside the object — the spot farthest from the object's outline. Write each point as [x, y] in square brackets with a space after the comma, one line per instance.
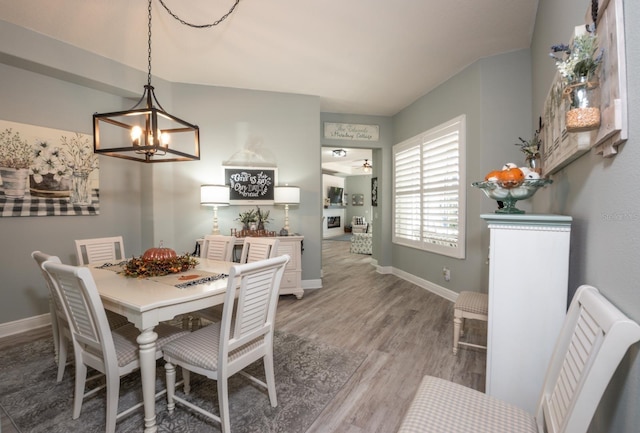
[374, 191]
[251, 185]
[358, 199]
[47, 172]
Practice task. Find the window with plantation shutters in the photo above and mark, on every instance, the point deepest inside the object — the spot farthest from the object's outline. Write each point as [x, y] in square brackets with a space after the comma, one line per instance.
[429, 190]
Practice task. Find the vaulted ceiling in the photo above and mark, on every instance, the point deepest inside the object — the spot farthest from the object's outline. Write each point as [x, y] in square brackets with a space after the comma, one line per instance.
[370, 57]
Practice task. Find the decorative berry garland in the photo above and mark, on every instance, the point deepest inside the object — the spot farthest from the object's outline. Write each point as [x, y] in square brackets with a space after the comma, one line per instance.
[139, 268]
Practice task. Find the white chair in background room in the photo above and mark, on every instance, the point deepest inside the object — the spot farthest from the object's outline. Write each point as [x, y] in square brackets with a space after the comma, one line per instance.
[593, 340]
[256, 248]
[99, 250]
[359, 224]
[111, 352]
[224, 348]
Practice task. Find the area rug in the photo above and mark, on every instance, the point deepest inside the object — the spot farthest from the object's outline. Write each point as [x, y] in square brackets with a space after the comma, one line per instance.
[308, 376]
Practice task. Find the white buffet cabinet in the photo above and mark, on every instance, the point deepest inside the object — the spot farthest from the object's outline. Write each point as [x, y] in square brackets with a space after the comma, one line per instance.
[528, 278]
[292, 279]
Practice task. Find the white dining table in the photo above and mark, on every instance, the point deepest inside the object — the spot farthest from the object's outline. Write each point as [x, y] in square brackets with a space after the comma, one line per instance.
[146, 303]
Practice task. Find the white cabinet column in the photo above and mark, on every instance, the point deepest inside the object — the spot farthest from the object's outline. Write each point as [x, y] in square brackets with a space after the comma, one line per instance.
[528, 277]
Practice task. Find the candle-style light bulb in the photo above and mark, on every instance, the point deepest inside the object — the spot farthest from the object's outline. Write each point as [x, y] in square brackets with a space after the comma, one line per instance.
[136, 133]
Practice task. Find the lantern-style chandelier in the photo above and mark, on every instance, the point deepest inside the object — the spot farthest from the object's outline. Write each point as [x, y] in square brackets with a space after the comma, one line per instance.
[146, 132]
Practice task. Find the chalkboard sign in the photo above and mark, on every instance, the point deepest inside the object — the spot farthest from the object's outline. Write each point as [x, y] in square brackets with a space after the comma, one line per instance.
[250, 185]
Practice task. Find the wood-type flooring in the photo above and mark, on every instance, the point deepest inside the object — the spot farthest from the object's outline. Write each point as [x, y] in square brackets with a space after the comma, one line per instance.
[404, 330]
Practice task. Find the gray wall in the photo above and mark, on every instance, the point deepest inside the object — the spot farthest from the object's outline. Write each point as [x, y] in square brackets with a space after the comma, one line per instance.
[358, 185]
[494, 93]
[602, 196]
[31, 98]
[503, 97]
[146, 203]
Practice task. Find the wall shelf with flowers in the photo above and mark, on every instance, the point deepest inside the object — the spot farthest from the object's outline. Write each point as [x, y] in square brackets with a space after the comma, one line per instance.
[593, 64]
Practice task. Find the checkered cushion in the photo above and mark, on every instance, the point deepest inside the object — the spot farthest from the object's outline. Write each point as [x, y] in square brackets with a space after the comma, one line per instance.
[127, 348]
[358, 220]
[115, 319]
[472, 302]
[200, 348]
[442, 406]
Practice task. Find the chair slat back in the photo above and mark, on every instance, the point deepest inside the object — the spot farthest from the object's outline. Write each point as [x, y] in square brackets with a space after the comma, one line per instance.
[218, 247]
[40, 258]
[255, 249]
[594, 338]
[258, 284]
[99, 250]
[84, 309]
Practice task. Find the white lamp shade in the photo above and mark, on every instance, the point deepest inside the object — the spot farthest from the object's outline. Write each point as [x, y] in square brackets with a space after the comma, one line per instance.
[214, 195]
[286, 195]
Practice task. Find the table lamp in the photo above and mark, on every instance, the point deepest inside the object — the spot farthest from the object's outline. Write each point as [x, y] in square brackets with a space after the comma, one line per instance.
[214, 195]
[286, 195]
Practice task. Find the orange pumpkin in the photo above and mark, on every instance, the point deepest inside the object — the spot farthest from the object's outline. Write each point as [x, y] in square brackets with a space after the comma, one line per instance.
[511, 177]
[159, 253]
[493, 175]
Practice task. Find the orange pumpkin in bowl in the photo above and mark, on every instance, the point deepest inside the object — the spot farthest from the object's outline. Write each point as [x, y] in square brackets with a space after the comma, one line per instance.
[493, 176]
[511, 177]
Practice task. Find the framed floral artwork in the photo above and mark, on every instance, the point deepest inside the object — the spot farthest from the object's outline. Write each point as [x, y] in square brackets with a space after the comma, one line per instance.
[46, 172]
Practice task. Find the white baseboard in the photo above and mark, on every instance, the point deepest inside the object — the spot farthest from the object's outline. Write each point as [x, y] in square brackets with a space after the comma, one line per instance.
[23, 325]
[420, 282]
[312, 284]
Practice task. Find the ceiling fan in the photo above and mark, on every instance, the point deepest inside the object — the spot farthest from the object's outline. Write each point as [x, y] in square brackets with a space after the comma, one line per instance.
[366, 167]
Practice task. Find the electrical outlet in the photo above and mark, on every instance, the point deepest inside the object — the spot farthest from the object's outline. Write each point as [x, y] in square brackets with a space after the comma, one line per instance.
[446, 273]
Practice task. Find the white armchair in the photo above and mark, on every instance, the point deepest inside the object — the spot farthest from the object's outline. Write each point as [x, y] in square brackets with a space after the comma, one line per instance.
[358, 224]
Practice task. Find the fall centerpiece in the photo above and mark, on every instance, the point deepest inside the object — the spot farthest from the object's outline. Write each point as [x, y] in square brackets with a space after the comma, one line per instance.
[157, 262]
[577, 64]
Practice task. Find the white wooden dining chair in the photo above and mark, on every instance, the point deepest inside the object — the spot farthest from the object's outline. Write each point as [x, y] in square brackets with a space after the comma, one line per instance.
[99, 250]
[223, 349]
[218, 247]
[59, 324]
[111, 352]
[593, 340]
[214, 247]
[257, 248]
[253, 249]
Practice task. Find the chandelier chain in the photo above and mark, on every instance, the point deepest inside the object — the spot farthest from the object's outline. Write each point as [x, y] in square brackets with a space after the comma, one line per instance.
[200, 26]
[149, 48]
